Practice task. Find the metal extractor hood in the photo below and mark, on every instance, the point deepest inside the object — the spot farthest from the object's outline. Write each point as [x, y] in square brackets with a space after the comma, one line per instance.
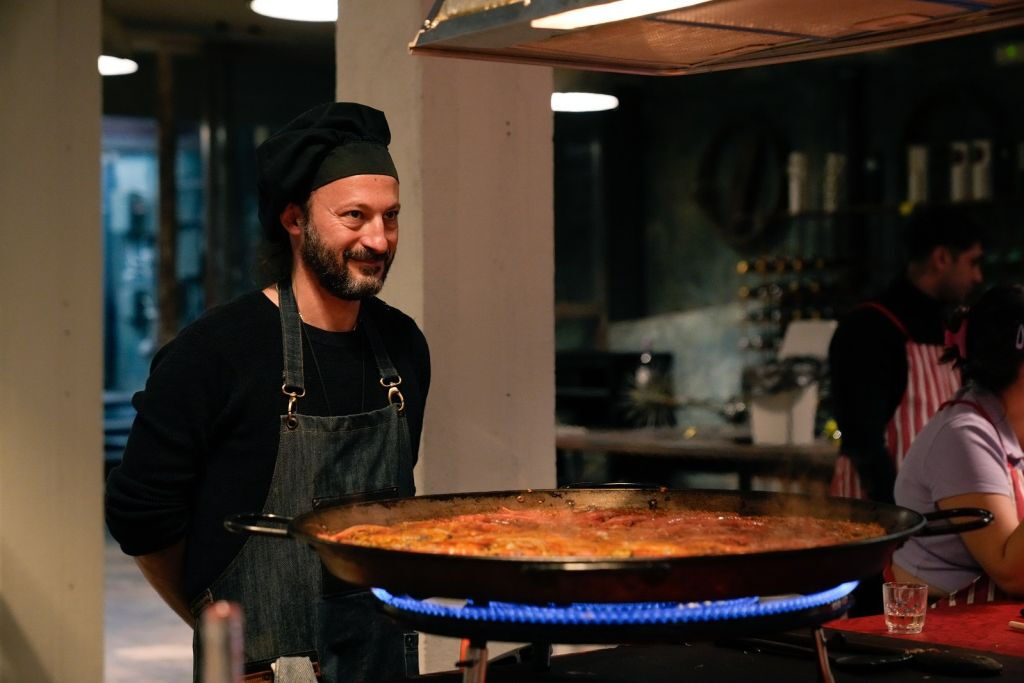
[710, 36]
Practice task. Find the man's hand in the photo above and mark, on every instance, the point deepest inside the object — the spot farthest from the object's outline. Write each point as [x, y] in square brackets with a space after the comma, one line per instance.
[164, 571]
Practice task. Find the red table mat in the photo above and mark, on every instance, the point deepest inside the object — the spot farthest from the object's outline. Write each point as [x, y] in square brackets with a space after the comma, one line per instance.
[976, 627]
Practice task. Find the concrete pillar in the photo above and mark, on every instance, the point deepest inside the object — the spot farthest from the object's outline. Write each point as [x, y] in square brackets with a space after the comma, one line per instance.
[51, 456]
[473, 144]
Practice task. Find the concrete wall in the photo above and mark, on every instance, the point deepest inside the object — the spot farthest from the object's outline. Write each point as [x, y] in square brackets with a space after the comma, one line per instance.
[472, 142]
[51, 534]
[473, 146]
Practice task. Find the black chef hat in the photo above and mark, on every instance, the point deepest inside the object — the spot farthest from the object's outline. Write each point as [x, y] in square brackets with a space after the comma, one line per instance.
[328, 142]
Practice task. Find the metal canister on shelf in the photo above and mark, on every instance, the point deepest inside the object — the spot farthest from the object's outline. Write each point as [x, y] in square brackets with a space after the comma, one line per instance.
[796, 172]
[959, 171]
[833, 194]
[981, 169]
[917, 174]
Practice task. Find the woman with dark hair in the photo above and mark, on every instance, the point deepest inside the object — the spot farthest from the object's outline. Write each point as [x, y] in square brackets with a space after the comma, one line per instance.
[969, 455]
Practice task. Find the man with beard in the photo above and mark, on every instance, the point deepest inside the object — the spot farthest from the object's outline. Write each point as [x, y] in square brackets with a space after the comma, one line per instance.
[307, 393]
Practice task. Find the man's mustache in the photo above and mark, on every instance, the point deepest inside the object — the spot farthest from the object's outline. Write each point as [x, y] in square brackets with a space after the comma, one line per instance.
[365, 255]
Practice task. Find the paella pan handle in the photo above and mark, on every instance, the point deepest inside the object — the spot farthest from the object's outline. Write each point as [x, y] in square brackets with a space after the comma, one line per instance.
[257, 524]
[983, 518]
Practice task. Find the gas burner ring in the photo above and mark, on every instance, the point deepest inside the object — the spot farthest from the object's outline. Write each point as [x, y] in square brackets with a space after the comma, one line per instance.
[616, 614]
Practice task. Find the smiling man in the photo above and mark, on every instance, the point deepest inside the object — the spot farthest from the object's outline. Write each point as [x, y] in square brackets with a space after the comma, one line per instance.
[351, 206]
[307, 393]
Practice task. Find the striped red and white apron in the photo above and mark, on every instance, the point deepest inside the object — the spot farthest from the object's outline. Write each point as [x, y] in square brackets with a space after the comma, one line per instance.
[929, 384]
[983, 588]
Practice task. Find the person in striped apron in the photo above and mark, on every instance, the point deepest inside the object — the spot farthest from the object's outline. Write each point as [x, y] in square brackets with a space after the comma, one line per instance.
[969, 455]
[886, 378]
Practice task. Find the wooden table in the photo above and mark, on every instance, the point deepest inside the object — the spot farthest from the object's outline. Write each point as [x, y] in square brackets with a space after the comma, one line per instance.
[702, 454]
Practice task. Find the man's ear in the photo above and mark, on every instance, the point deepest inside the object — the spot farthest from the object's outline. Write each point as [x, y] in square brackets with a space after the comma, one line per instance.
[292, 219]
[942, 257]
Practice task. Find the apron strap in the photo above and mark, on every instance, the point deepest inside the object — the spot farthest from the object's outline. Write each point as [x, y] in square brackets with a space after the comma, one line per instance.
[389, 377]
[888, 314]
[1017, 479]
[291, 336]
[291, 333]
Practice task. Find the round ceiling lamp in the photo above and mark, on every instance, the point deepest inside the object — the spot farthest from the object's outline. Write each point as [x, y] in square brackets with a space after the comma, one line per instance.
[582, 101]
[297, 10]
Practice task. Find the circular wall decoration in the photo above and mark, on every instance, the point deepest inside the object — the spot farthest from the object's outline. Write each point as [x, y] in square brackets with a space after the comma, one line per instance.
[741, 184]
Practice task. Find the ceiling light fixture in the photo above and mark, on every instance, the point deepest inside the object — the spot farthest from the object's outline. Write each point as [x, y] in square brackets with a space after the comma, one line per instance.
[582, 101]
[608, 12]
[116, 66]
[297, 10]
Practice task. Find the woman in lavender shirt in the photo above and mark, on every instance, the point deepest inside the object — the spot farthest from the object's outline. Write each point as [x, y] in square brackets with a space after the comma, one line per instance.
[969, 455]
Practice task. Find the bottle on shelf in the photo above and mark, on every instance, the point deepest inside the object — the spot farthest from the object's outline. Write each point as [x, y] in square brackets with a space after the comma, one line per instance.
[759, 342]
[796, 173]
[917, 174]
[771, 291]
[833, 193]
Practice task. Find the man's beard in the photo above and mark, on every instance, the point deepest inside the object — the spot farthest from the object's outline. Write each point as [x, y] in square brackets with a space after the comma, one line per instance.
[333, 273]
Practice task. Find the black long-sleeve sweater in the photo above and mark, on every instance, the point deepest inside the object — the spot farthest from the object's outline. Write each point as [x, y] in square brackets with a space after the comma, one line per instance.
[868, 366]
[205, 439]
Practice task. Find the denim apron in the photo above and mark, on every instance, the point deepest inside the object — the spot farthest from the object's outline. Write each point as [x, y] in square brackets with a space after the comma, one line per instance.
[291, 605]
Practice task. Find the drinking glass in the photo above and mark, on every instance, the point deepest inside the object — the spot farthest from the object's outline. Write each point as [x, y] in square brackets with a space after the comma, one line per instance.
[905, 606]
